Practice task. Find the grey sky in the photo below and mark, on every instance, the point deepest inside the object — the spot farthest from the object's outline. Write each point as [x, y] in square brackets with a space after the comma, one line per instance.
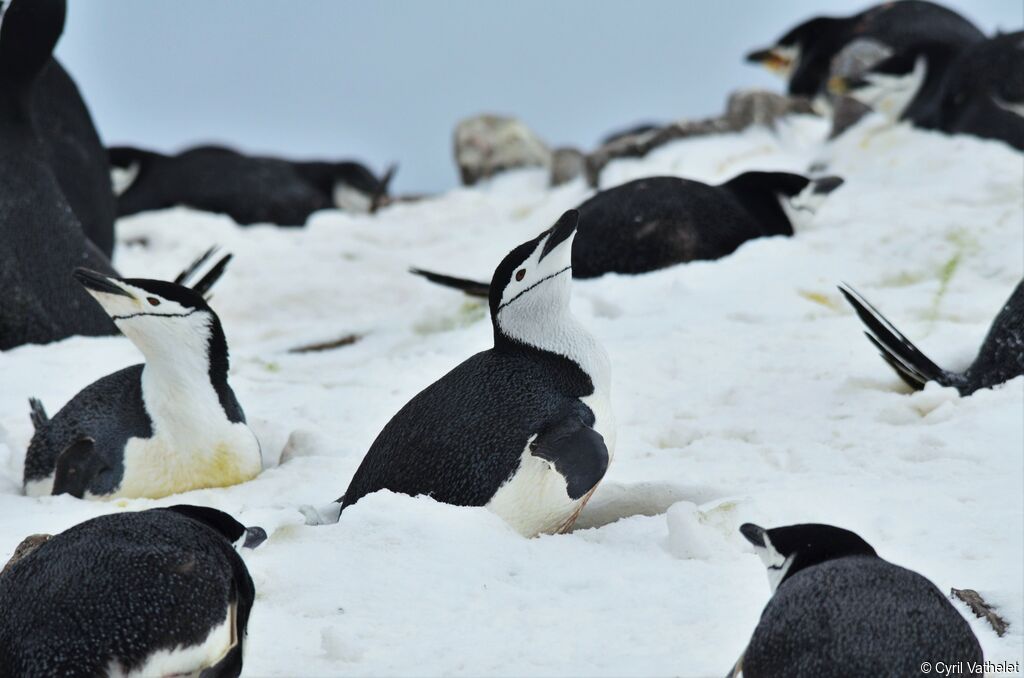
[387, 81]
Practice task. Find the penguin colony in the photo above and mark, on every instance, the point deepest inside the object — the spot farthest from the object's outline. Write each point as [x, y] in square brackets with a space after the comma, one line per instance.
[524, 428]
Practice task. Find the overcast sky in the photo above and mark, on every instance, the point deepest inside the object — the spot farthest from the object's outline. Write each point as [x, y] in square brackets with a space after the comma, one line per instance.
[387, 80]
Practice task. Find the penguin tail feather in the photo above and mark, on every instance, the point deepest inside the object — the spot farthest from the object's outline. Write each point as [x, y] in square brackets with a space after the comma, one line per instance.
[471, 287]
[38, 414]
[912, 366]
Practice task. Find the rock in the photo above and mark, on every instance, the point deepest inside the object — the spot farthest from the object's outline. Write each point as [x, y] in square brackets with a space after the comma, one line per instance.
[486, 145]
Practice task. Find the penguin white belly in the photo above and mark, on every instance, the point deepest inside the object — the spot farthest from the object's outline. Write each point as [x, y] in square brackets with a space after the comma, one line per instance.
[535, 500]
[160, 466]
[186, 661]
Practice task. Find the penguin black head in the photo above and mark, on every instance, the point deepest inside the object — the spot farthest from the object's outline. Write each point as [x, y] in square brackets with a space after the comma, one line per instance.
[804, 54]
[166, 321]
[127, 164]
[532, 284]
[798, 197]
[787, 550]
[29, 30]
[235, 532]
[888, 86]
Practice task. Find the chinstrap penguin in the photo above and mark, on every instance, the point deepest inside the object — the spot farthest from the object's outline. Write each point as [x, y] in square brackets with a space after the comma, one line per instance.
[804, 55]
[158, 592]
[170, 425]
[1000, 358]
[656, 222]
[839, 611]
[42, 240]
[249, 189]
[524, 428]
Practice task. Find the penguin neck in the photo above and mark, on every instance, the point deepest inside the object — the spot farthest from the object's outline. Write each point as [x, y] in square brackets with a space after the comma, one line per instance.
[184, 379]
[534, 325]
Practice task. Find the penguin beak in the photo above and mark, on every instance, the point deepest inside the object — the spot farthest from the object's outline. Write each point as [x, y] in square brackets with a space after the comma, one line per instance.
[770, 59]
[826, 185]
[560, 232]
[97, 282]
[380, 198]
[254, 536]
[753, 533]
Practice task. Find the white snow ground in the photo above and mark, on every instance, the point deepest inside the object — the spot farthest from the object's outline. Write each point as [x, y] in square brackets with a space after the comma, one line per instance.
[744, 391]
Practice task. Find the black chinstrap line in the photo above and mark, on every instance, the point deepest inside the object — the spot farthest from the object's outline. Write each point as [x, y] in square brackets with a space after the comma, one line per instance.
[539, 282]
[158, 315]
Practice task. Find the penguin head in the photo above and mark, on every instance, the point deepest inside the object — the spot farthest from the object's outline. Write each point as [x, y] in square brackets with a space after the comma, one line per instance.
[803, 55]
[799, 197]
[532, 284]
[163, 319]
[889, 86]
[787, 550]
[235, 532]
[357, 189]
[29, 30]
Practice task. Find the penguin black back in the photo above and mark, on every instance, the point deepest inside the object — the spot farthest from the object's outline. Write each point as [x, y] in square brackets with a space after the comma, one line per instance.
[43, 240]
[840, 610]
[1000, 358]
[71, 605]
[983, 91]
[76, 153]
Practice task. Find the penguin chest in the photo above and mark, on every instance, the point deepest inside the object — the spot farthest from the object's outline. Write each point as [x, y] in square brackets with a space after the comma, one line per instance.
[164, 464]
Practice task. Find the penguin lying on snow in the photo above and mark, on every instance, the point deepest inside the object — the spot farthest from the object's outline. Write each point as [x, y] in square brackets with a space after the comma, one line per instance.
[170, 425]
[838, 609]
[977, 89]
[249, 189]
[1000, 359]
[150, 593]
[804, 55]
[657, 222]
[524, 428]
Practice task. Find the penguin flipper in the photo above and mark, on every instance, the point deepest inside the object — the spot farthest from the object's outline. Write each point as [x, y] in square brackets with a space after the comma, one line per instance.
[471, 287]
[38, 414]
[912, 366]
[76, 467]
[577, 451]
[191, 269]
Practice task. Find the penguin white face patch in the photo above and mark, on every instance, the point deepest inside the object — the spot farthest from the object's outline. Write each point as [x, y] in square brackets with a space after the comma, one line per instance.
[539, 280]
[778, 565]
[349, 199]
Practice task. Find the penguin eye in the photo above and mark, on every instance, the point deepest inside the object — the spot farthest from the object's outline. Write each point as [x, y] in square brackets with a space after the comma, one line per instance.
[153, 301]
[520, 274]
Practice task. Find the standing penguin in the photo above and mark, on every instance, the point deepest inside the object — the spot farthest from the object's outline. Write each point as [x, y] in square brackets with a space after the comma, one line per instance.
[41, 240]
[524, 428]
[804, 55]
[839, 610]
[656, 222]
[170, 425]
[150, 593]
[1000, 358]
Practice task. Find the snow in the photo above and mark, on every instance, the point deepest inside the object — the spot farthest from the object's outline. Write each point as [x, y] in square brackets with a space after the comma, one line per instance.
[744, 391]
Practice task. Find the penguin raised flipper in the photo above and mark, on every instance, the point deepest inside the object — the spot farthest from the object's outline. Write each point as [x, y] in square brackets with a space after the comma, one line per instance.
[77, 467]
[524, 428]
[1000, 358]
[473, 288]
[912, 366]
[577, 451]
